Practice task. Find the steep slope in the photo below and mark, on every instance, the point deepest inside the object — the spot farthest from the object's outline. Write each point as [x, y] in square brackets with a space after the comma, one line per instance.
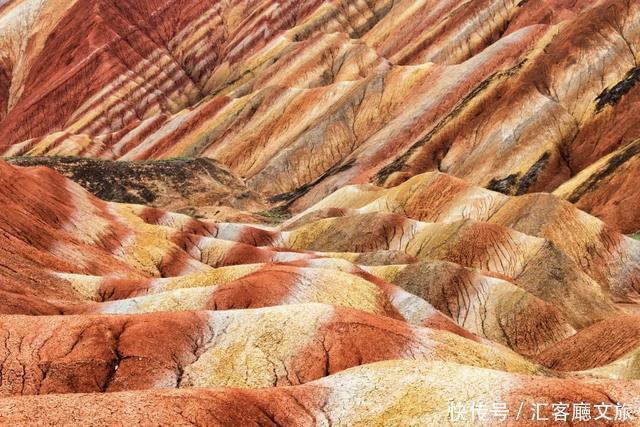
[606, 188]
[332, 93]
[609, 340]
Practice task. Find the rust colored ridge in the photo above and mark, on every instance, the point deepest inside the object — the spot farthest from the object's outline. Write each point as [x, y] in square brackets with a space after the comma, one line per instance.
[220, 252]
[266, 287]
[450, 32]
[101, 289]
[165, 56]
[547, 12]
[321, 60]
[243, 348]
[260, 285]
[356, 126]
[298, 100]
[491, 308]
[412, 307]
[254, 235]
[191, 186]
[363, 395]
[606, 255]
[48, 220]
[55, 219]
[315, 214]
[595, 346]
[57, 226]
[255, 286]
[609, 257]
[533, 263]
[446, 32]
[354, 115]
[383, 257]
[613, 126]
[100, 49]
[432, 197]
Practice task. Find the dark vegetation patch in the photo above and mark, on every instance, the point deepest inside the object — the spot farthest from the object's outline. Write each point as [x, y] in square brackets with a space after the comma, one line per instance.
[291, 196]
[144, 182]
[503, 185]
[513, 184]
[276, 215]
[611, 96]
[531, 176]
[399, 164]
[614, 163]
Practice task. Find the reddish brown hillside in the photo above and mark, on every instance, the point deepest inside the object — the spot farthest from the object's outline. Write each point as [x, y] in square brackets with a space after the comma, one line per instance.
[301, 98]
